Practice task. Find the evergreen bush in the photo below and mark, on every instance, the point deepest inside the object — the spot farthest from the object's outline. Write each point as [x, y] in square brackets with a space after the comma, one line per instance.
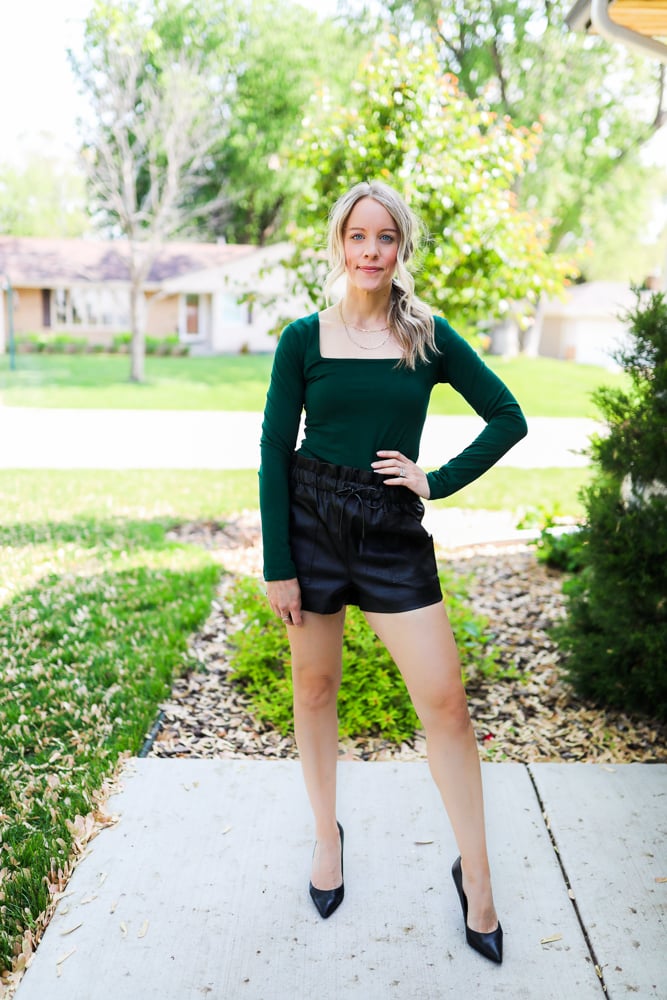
[614, 638]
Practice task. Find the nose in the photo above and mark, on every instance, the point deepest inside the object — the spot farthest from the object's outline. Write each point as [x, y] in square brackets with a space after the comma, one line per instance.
[371, 249]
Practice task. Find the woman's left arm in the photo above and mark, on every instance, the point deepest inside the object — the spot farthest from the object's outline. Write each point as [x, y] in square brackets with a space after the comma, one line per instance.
[488, 395]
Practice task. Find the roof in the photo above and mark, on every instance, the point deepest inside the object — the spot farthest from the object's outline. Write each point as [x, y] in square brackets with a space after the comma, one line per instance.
[35, 262]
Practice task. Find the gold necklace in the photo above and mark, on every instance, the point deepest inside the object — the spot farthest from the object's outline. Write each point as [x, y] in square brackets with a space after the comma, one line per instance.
[364, 347]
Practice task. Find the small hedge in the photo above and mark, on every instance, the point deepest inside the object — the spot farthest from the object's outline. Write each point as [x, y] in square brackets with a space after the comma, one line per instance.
[69, 343]
[372, 699]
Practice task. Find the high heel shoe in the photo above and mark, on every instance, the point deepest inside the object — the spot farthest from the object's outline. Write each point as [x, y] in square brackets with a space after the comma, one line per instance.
[490, 945]
[327, 901]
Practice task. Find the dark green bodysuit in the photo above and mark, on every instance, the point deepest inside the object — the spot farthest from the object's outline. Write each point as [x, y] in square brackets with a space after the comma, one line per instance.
[355, 407]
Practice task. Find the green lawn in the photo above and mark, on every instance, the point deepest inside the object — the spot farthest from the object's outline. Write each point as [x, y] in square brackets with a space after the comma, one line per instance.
[544, 387]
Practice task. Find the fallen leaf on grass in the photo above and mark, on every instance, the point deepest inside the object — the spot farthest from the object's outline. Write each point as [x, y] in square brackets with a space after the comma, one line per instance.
[70, 930]
[144, 929]
[551, 939]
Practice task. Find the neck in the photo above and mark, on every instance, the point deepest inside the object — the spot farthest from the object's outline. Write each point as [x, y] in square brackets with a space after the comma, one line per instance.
[366, 310]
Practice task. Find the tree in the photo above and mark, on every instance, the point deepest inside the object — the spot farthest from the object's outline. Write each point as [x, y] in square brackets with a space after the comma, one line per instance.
[597, 105]
[146, 151]
[273, 81]
[44, 196]
[454, 160]
[614, 639]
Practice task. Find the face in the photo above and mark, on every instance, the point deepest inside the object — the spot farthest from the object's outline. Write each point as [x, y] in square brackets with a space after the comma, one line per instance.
[371, 246]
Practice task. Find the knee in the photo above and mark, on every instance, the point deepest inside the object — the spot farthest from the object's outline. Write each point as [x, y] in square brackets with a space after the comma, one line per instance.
[314, 691]
[447, 707]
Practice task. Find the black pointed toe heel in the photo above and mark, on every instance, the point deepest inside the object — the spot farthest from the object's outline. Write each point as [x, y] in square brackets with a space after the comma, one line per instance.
[489, 945]
[327, 901]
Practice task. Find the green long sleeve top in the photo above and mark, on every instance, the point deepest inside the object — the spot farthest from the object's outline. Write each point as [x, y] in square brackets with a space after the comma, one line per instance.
[355, 407]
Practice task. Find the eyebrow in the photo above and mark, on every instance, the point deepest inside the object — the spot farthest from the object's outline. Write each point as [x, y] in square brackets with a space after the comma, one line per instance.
[362, 229]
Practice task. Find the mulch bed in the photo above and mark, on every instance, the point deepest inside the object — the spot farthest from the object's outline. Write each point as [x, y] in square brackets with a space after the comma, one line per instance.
[535, 716]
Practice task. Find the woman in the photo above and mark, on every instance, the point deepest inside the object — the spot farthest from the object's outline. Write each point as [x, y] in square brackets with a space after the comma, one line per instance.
[341, 521]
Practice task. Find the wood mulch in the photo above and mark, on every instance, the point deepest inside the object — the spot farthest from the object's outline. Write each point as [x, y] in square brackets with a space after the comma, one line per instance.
[534, 716]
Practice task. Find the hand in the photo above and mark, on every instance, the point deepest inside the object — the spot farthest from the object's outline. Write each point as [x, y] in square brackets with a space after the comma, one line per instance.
[285, 600]
[403, 472]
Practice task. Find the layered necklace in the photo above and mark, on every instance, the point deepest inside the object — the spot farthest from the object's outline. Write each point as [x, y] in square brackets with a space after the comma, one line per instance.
[362, 329]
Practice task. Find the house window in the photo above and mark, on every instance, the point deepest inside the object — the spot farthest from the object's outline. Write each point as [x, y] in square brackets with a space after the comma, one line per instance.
[234, 313]
[192, 315]
[60, 306]
[91, 306]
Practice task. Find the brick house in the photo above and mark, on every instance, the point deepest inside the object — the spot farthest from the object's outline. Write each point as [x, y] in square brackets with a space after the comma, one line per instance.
[193, 290]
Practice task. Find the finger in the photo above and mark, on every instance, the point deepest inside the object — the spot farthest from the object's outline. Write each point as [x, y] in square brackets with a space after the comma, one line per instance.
[297, 618]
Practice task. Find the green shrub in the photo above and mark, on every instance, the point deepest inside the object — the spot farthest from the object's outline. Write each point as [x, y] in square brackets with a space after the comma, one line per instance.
[68, 343]
[563, 550]
[30, 342]
[615, 636]
[372, 699]
[121, 342]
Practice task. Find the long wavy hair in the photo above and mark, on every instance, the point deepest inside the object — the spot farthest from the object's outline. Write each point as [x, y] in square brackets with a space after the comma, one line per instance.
[410, 320]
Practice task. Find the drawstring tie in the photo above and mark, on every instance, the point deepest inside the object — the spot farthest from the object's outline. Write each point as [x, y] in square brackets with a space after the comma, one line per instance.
[360, 494]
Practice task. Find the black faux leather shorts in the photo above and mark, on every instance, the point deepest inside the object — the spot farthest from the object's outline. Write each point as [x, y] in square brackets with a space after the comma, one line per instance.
[356, 541]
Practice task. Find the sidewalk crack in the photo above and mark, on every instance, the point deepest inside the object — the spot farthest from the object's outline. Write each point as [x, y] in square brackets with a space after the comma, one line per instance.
[566, 879]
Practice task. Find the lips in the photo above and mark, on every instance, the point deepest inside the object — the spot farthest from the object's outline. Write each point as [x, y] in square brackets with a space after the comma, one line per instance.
[370, 270]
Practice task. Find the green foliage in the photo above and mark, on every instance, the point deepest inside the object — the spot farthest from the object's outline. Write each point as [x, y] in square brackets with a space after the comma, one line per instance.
[456, 162]
[273, 80]
[615, 636]
[121, 341]
[44, 196]
[596, 102]
[560, 544]
[372, 698]
[95, 616]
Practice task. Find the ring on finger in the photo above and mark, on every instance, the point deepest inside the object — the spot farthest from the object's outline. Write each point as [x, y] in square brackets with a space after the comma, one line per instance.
[401, 472]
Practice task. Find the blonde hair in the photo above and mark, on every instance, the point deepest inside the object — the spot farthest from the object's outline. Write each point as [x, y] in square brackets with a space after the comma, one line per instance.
[410, 319]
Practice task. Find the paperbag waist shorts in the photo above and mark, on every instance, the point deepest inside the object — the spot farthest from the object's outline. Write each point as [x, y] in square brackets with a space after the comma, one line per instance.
[356, 541]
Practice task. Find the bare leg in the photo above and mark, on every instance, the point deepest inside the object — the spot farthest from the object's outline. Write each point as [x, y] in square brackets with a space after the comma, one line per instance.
[316, 673]
[423, 647]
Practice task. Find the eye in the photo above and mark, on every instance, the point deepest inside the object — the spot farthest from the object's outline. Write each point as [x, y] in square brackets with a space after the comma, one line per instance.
[357, 236]
[387, 237]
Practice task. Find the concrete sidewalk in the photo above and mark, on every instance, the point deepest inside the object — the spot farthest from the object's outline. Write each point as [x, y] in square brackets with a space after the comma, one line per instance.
[169, 439]
[201, 889]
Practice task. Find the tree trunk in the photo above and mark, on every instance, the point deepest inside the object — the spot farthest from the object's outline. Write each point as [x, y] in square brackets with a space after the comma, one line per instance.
[138, 345]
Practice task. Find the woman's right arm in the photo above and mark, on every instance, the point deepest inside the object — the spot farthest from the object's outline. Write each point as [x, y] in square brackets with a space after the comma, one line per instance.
[280, 429]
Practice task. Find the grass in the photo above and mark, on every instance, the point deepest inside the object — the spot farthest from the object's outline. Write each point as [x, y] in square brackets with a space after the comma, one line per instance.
[96, 607]
[544, 387]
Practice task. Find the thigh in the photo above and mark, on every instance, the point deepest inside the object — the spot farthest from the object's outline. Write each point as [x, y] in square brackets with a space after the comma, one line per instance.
[422, 645]
[317, 645]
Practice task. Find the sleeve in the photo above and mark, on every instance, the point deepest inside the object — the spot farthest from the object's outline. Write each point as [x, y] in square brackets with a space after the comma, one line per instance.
[280, 429]
[462, 367]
